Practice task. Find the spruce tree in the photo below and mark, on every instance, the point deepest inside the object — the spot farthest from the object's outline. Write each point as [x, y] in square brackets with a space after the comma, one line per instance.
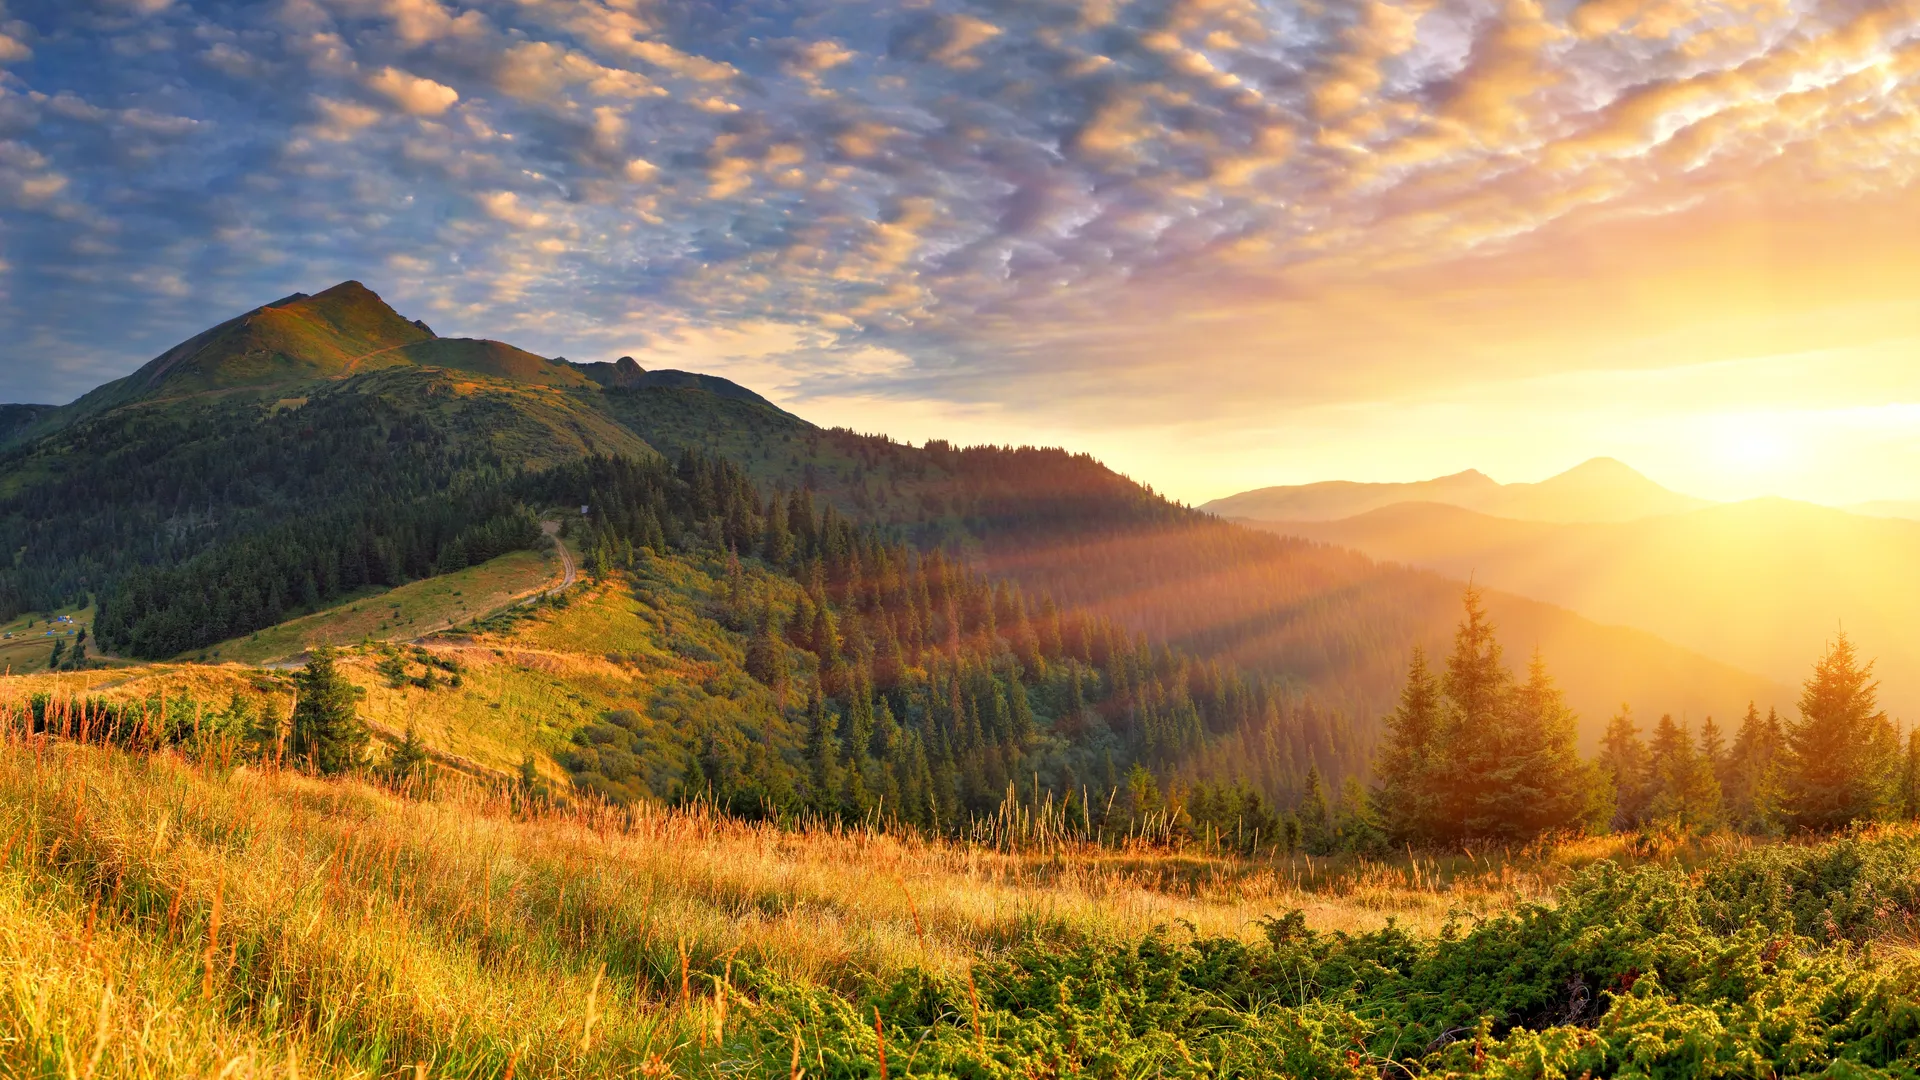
[1686, 793]
[1405, 768]
[1624, 766]
[1476, 735]
[1357, 825]
[1316, 822]
[326, 733]
[1713, 750]
[1842, 756]
[1751, 789]
[408, 761]
[823, 757]
[1546, 788]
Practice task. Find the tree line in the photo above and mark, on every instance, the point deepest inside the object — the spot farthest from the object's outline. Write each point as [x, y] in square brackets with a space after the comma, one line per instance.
[1472, 753]
[920, 689]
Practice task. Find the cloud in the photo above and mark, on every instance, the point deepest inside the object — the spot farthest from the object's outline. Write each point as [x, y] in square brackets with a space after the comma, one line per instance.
[506, 206]
[1114, 206]
[415, 95]
[340, 121]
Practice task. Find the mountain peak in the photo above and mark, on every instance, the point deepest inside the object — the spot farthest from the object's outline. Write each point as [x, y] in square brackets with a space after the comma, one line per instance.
[1599, 489]
[1611, 468]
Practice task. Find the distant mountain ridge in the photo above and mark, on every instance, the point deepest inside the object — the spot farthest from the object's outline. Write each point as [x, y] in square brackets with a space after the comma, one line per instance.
[1760, 585]
[1600, 490]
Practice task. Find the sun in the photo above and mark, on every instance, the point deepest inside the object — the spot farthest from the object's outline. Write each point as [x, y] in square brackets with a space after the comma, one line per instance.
[1751, 446]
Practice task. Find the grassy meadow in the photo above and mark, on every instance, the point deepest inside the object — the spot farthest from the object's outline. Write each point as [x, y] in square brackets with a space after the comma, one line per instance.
[169, 916]
[412, 610]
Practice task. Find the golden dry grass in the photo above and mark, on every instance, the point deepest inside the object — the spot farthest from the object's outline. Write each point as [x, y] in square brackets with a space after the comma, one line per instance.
[359, 931]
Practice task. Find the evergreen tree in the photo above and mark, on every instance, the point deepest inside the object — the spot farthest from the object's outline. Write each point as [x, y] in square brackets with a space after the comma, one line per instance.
[1686, 793]
[767, 658]
[1752, 789]
[1713, 750]
[327, 733]
[1357, 826]
[823, 757]
[1405, 766]
[1624, 766]
[1842, 755]
[1547, 787]
[1910, 778]
[1316, 822]
[1477, 740]
[408, 761]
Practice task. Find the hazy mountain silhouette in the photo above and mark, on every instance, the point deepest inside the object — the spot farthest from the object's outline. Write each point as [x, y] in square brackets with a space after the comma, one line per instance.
[1599, 490]
[1760, 584]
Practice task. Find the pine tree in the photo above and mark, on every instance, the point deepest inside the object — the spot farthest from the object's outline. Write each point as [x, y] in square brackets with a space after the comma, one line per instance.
[1546, 787]
[1406, 766]
[1316, 823]
[1624, 766]
[1842, 756]
[1358, 826]
[327, 733]
[1476, 737]
[408, 761]
[1686, 793]
[823, 757]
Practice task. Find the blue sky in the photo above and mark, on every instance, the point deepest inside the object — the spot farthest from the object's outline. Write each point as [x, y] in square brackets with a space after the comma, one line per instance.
[1219, 242]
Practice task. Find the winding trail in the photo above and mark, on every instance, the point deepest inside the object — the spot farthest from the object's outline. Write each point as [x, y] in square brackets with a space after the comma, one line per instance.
[569, 574]
[354, 363]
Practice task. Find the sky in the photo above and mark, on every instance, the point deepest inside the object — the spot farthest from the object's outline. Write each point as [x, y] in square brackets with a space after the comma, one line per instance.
[1218, 243]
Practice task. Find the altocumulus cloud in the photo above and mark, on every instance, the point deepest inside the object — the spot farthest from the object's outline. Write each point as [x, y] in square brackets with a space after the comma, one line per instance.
[961, 188]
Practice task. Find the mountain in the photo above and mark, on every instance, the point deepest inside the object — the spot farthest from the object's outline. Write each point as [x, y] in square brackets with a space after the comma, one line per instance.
[1760, 585]
[1890, 508]
[627, 374]
[323, 445]
[1599, 490]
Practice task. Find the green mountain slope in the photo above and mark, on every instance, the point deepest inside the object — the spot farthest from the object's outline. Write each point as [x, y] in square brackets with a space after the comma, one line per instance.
[298, 339]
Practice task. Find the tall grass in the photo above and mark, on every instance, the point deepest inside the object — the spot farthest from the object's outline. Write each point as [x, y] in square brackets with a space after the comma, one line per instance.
[171, 912]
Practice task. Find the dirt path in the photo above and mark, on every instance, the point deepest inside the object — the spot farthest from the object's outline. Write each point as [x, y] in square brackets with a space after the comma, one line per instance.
[569, 573]
[355, 362]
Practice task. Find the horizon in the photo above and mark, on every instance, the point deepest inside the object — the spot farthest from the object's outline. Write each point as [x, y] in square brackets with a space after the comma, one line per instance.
[1219, 246]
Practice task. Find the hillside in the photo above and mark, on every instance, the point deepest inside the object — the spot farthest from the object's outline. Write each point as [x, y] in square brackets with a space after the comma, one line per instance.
[1601, 490]
[1759, 585]
[367, 453]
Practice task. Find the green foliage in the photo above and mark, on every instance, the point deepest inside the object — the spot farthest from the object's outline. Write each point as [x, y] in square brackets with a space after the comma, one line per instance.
[1842, 757]
[1484, 757]
[1749, 969]
[327, 733]
[1686, 791]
